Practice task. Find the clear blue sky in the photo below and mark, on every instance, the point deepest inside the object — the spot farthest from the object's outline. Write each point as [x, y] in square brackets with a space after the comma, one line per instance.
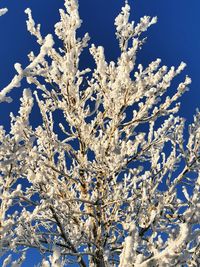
[175, 38]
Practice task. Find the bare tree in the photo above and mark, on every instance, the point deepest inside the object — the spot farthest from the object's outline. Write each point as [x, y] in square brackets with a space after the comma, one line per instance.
[95, 197]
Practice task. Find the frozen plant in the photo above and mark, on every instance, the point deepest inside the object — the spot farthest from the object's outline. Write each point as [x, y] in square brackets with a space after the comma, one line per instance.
[94, 197]
[3, 11]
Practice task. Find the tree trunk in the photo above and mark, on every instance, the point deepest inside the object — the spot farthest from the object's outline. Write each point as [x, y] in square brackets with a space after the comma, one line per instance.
[98, 260]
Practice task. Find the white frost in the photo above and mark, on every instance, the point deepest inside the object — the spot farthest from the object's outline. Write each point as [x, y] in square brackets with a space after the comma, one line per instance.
[3, 11]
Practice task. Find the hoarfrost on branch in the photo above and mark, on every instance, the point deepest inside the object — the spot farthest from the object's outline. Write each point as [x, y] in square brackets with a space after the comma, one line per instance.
[107, 193]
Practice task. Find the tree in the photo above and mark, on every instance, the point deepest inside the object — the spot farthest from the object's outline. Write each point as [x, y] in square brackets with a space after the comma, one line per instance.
[107, 194]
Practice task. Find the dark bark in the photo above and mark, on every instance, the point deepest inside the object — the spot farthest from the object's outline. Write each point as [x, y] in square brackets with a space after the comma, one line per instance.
[98, 260]
[73, 249]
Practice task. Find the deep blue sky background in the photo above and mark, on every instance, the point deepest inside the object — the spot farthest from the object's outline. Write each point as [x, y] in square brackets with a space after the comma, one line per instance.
[175, 38]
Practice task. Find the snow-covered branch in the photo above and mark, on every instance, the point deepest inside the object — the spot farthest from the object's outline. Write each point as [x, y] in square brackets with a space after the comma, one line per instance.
[108, 192]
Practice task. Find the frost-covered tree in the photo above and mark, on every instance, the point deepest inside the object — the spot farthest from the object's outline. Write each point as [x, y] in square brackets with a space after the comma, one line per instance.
[111, 192]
